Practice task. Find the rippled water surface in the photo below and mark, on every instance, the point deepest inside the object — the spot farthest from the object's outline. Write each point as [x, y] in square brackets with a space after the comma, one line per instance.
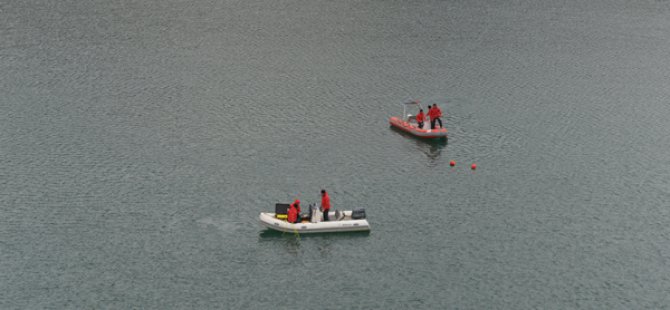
[139, 140]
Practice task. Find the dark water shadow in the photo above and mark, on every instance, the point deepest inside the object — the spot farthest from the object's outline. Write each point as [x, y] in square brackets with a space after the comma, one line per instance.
[432, 148]
[269, 234]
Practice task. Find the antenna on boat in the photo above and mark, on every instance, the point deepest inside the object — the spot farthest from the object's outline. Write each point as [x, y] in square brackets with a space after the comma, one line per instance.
[404, 108]
[405, 104]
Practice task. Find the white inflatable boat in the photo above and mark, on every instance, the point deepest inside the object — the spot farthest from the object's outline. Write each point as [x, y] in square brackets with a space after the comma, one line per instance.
[345, 223]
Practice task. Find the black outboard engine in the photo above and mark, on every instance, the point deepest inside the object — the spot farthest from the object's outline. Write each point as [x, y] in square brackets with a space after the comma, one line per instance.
[358, 214]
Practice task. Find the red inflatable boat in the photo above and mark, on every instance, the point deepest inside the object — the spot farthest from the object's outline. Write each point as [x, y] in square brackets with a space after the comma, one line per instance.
[410, 125]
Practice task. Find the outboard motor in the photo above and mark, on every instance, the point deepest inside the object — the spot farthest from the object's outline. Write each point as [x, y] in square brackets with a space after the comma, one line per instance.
[358, 214]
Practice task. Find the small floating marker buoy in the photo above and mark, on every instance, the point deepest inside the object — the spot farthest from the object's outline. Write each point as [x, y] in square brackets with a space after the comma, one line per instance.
[452, 163]
[473, 167]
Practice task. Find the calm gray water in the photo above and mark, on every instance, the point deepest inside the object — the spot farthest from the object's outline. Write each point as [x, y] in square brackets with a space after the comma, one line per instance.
[139, 140]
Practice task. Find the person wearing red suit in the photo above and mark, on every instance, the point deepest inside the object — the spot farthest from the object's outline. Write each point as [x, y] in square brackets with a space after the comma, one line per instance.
[325, 204]
[294, 212]
[420, 118]
[435, 115]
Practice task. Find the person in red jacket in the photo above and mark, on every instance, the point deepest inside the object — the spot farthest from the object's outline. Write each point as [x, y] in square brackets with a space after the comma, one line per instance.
[325, 204]
[297, 205]
[429, 113]
[420, 118]
[294, 212]
[435, 115]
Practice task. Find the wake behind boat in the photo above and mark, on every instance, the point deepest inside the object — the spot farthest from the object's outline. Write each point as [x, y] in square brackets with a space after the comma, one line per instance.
[341, 221]
[408, 123]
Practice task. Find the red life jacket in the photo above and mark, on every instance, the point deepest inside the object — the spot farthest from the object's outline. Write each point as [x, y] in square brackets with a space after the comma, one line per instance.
[420, 117]
[296, 204]
[436, 112]
[292, 214]
[325, 201]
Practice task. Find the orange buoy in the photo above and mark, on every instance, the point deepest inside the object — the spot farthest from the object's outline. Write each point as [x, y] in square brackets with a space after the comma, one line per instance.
[474, 166]
[452, 163]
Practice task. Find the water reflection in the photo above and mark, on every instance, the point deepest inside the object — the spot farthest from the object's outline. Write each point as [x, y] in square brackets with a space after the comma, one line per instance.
[293, 241]
[432, 148]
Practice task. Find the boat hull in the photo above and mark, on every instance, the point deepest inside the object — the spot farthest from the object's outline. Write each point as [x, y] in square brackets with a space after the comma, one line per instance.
[269, 220]
[416, 131]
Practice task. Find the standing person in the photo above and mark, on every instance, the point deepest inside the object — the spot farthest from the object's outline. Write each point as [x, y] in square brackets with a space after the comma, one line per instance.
[325, 204]
[429, 114]
[436, 116]
[294, 212]
[420, 118]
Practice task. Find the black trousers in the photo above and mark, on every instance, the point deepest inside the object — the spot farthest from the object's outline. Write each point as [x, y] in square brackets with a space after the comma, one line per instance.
[432, 122]
[420, 125]
[325, 215]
